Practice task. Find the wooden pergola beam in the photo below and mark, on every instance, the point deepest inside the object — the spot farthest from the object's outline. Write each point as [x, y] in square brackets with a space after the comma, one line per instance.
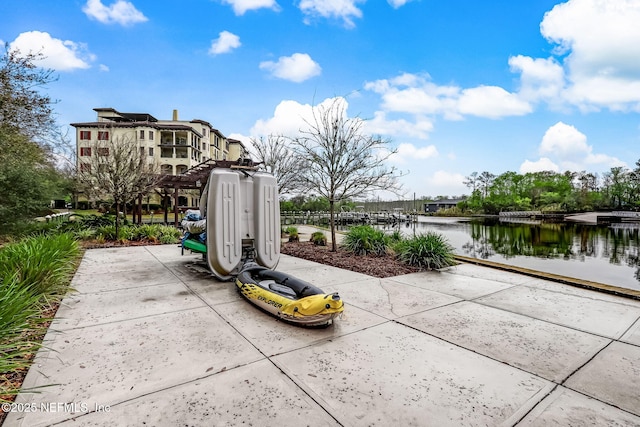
[196, 178]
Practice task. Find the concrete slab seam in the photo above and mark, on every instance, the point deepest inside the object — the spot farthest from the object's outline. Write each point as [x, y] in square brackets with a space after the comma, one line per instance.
[475, 351]
[554, 323]
[267, 357]
[160, 390]
[540, 403]
[308, 391]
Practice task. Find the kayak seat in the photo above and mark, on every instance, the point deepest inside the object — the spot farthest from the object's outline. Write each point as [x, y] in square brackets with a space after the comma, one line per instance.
[300, 287]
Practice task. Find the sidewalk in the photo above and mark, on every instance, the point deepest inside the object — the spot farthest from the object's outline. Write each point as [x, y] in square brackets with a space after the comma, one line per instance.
[151, 339]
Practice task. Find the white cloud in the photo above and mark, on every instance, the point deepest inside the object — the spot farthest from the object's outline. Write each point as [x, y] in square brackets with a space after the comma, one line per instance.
[121, 12]
[565, 148]
[345, 10]
[397, 3]
[593, 93]
[408, 152]
[103, 67]
[288, 118]
[491, 102]
[380, 125]
[225, 43]
[564, 141]
[240, 7]
[296, 68]
[601, 41]
[540, 79]
[58, 54]
[444, 183]
[543, 164]
[417, 94]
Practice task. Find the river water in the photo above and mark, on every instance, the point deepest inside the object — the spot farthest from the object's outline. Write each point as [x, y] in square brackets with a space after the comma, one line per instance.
[604, 254]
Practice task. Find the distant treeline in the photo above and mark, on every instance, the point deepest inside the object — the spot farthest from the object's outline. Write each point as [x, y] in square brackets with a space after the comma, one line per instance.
[546, 191]
[619, 189]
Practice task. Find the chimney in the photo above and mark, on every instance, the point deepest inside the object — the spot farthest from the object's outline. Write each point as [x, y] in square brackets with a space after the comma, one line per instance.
[175, 115]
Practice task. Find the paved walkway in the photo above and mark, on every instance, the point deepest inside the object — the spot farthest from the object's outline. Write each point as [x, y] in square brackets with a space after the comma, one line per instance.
[151, 340]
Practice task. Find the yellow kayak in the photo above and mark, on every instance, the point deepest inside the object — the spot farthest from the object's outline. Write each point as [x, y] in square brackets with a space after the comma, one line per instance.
[287, 297]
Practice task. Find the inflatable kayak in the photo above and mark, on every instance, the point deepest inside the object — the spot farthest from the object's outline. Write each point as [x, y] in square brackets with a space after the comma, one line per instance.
[287, 297]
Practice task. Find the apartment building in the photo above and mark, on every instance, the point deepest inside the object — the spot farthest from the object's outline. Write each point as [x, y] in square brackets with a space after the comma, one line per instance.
[175, 145]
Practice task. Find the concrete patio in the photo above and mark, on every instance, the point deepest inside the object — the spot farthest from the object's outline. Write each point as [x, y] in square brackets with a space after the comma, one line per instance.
[150, 339]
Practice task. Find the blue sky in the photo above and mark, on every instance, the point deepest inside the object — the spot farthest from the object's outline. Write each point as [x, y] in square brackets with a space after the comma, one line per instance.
[457, 86]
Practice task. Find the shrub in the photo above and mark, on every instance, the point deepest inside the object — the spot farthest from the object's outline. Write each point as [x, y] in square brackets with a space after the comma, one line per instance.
[95, 221]
[169, 234]
[129, 232]
[106, 232]
[293, 235]
[318, 238]
[364, 240]
[291, 229]
[149, 232]
[85, 234]
[430, 250]
[395, 237]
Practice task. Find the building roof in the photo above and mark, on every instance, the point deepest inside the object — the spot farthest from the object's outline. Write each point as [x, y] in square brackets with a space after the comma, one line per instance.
[126, 117]
[202, 122]
[217, 132]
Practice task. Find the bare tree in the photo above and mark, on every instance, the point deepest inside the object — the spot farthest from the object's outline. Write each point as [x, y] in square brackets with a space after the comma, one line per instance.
[119, 169]
[279, 160]
[341, 161]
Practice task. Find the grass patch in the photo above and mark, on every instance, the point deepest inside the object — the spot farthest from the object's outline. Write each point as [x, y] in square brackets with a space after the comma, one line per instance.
[35, 274]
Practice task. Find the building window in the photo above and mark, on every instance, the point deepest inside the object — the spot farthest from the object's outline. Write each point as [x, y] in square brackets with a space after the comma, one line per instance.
[103, 151]
[103, 168]
[141, 134]
[85, 151]
[150, 151]
[85, 135]
[103, 135]
[85, 167]
[151, 135]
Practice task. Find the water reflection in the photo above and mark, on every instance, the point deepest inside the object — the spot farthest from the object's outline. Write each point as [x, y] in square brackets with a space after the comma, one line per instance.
[603, 254]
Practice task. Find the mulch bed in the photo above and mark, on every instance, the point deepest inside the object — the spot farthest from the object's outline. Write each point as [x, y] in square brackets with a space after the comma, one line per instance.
[376, 266]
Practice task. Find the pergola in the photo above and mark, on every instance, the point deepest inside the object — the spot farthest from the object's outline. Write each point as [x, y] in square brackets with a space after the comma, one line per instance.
[193, 179]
